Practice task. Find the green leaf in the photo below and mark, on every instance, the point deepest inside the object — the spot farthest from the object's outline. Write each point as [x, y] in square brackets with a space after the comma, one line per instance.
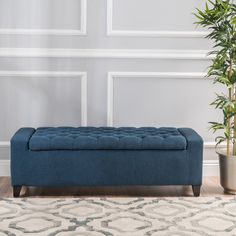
[219, 18]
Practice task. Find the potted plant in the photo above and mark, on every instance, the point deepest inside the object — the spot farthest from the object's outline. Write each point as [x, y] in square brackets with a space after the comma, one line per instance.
[219, 17]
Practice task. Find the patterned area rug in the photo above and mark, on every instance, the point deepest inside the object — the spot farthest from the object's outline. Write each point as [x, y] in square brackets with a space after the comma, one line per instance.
[118, 216]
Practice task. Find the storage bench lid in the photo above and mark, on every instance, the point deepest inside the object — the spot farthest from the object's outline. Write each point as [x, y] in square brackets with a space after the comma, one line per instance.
[87, 138]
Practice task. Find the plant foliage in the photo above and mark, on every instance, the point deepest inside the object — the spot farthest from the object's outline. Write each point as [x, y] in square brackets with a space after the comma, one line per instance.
[219, 17]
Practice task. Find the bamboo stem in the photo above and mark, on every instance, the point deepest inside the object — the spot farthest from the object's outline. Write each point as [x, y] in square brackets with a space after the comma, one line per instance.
[234, 117]
[234, 144]
[228, 126]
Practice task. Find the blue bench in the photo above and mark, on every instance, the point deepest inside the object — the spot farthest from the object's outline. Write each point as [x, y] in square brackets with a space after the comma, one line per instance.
[106, 156]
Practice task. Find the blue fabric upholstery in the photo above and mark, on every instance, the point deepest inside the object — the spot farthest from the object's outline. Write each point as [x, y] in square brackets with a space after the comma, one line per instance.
[70, 138]
[106, 167]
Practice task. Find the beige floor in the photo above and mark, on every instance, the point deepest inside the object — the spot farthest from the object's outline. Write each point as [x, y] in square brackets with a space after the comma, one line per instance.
[211, 187]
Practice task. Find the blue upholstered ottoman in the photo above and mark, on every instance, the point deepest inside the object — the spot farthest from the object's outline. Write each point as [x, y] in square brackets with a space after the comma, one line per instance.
[106, 156]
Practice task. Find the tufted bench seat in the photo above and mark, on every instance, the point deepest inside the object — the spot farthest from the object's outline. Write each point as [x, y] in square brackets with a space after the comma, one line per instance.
[69, 138]
[106, 156]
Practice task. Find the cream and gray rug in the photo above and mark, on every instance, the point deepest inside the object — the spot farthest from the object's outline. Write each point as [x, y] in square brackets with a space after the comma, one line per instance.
[118, 216]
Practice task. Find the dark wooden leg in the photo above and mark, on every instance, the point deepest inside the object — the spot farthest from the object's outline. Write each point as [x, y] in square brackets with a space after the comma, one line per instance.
[16, 191]
[196, 190]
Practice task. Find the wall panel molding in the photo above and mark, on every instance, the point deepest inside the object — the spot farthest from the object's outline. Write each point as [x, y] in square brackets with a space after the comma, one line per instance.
[147, 33]
[56, 32]
[53, 74]
[106, 53]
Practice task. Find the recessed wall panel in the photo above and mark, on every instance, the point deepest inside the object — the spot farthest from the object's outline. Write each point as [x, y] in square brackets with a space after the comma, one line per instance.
[165, 102]
[40, 14]
[34, 102]
[154, 15]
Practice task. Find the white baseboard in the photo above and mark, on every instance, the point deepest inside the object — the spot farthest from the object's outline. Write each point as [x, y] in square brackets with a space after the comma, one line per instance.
[4, 168]
[210, 168]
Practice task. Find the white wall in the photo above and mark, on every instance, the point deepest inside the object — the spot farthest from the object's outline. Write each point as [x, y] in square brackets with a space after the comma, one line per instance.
[106, 62]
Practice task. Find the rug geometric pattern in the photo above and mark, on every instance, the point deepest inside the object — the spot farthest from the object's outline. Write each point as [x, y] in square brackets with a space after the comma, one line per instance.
[203, 216]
